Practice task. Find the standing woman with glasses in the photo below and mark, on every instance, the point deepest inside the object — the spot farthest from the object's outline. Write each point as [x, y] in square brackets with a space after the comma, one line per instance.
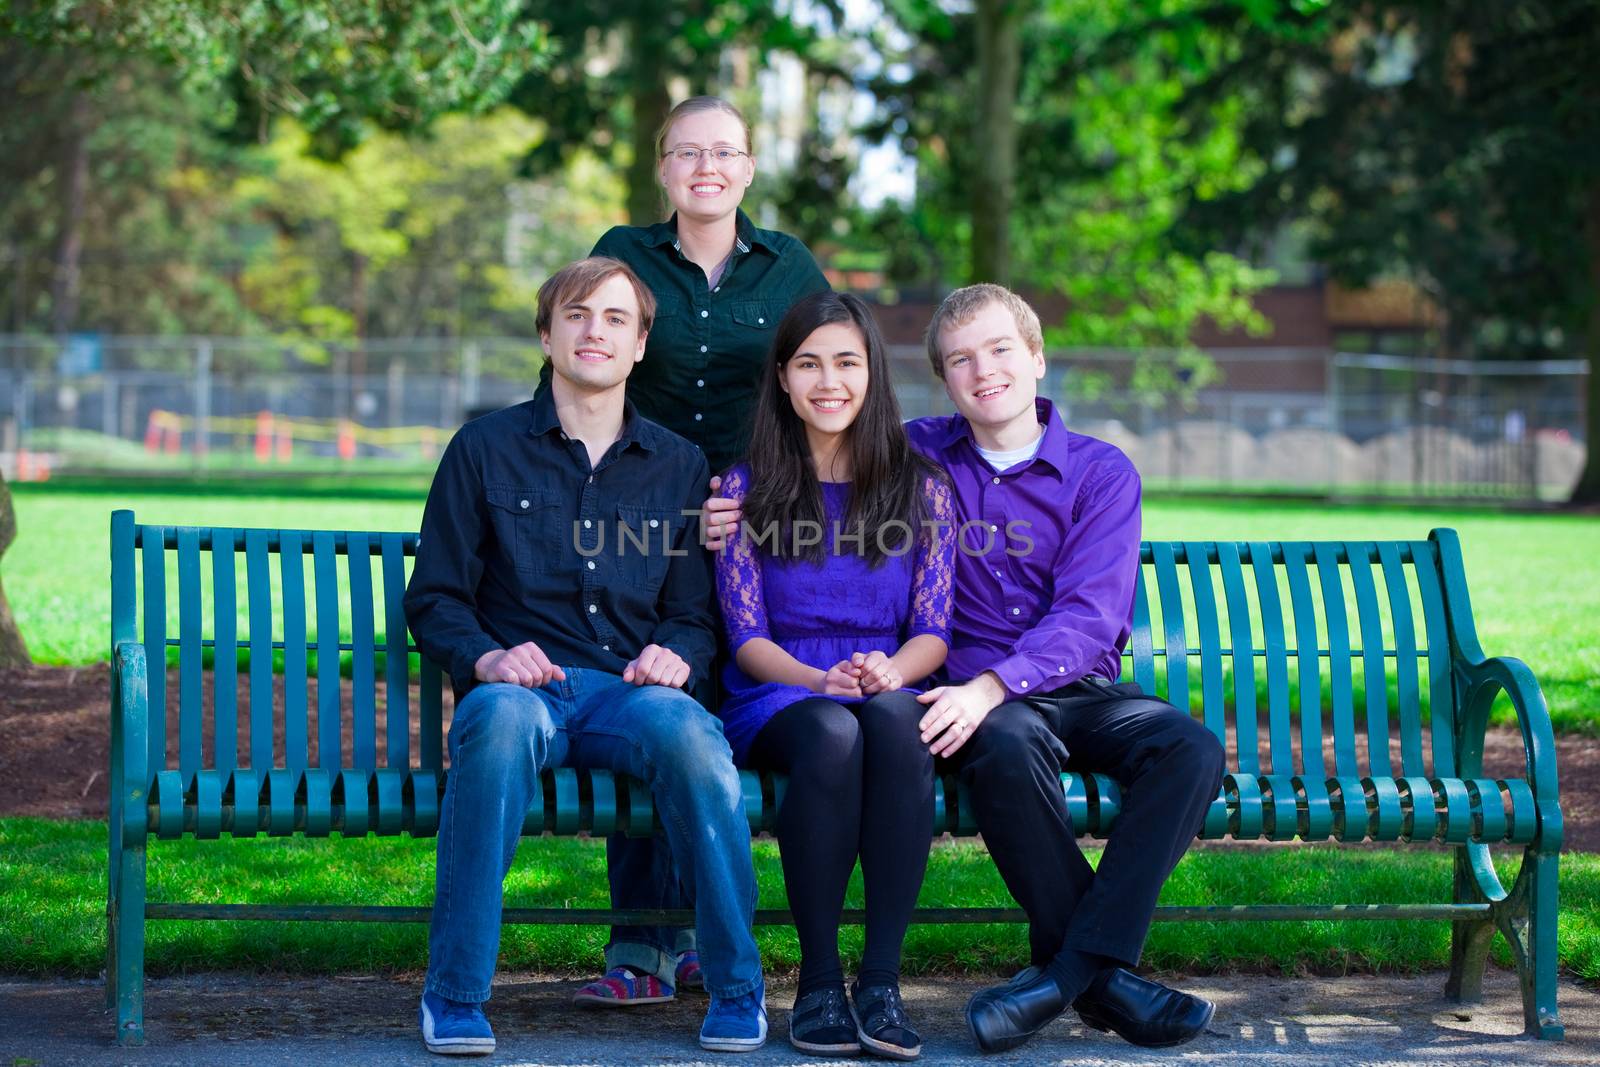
[721, 286]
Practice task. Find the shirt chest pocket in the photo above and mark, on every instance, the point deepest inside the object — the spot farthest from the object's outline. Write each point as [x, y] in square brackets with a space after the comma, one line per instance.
[646, 544]
[754, 315]
[527, 523]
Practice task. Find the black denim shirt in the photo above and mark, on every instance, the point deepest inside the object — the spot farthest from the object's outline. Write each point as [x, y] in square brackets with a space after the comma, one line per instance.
[703, 360]
[522, 541]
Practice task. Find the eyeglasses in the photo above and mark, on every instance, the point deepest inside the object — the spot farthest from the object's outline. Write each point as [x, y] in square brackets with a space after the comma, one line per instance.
[690, 156]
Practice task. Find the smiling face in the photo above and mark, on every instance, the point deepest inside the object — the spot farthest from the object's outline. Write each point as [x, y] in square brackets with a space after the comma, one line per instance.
[706, 189]
[594, 340]
[827, 379]
[991, 374]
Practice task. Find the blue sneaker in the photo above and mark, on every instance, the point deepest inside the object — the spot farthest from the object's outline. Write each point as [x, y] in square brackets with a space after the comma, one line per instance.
[736, 1024]
[453, 1028]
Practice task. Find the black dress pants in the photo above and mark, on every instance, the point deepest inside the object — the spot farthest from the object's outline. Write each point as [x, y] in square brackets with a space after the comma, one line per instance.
[1169, 767]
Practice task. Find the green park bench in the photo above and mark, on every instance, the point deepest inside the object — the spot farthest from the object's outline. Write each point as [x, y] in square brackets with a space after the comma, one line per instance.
[1264, 628]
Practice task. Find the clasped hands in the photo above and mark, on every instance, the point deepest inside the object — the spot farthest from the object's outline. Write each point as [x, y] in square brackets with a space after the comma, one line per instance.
[526, 664]
[864, 674]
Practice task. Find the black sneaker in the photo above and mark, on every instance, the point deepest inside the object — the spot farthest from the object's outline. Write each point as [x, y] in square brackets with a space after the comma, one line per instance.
[820, 1023]
[881, 1022]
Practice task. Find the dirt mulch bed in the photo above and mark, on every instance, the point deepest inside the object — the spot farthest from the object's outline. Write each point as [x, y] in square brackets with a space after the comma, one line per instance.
[54, 732]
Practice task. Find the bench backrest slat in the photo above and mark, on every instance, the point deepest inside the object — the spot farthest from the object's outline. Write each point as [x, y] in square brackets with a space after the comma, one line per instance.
[155, 649]
[1171, 600]
[1441, 695]
[1275, 644]
[1407, 691]
[1337, 622]
[1246, 725]
[363, 681]
[1374, 677]
[397, 692]
[1139, 642]
[430, 717]
[296, 729]
[258, 598]
[225, 654]
[1210, 639]
[190, 667]
[1307, 658]
[325, 571]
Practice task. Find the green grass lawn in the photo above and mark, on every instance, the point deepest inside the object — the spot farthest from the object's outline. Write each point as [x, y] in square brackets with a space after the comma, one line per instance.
[1534, 578]
[52, 914]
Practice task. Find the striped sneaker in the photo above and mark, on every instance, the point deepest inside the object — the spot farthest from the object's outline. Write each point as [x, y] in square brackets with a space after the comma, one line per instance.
[621, 987]
[687, 977]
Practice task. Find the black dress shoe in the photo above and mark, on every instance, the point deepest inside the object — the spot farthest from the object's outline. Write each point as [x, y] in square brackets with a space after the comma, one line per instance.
[1140, 1011]
[1005, 1016]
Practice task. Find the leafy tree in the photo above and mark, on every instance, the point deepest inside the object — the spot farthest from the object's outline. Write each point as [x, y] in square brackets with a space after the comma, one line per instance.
[1452, 142]
[1099, 178]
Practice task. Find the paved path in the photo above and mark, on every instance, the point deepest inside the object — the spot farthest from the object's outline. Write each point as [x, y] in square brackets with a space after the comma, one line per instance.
[297, 1022]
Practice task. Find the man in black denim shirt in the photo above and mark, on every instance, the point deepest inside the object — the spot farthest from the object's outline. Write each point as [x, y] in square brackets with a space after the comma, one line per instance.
[560, 580]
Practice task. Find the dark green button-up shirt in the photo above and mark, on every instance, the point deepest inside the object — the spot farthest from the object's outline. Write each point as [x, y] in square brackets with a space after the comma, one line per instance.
[704, 356]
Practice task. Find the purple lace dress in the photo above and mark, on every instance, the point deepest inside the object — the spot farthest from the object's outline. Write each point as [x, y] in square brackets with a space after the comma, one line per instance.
[820, 613]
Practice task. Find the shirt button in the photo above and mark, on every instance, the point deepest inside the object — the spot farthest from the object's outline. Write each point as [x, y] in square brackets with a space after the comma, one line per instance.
[1061, 670]
[605, 648]
[1014, 611]
[761, 321]
[702, 348]
[524, 503]
[718, 289]
[997, 574]
[587, 524]
[704, 313]
[701, 382]
[698, 416]
[591, 564]
[593, 609]
[1024, 685]
[994, 529]
[591, 479]
[654, 523]
[997, 481]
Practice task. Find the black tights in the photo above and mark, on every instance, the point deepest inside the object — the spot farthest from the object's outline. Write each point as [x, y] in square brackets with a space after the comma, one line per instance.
[860, 782]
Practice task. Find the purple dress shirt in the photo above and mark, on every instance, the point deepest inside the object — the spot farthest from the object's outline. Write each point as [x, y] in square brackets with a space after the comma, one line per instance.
[1046, 559]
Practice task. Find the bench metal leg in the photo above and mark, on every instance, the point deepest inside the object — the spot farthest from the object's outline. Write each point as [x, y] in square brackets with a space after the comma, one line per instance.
[1536, 966]
[1469, 939]
[125, 943]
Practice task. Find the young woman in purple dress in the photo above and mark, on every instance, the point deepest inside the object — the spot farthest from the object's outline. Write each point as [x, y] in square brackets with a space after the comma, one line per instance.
[836, 594]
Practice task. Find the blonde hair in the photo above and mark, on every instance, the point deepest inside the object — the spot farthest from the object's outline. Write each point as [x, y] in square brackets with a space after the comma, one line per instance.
[963, 304]
[577, 280]
[694, 106]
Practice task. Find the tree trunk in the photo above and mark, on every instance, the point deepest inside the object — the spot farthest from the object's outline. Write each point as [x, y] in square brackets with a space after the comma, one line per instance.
[999, 66]
[13, 652]
[647, 90]
[1587, 491]
[65, 286]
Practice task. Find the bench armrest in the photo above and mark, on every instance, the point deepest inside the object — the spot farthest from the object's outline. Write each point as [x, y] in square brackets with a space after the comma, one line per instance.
[130, 761]
[1484, 680]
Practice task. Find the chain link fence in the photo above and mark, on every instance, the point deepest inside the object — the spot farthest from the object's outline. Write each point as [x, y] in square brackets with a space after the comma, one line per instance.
[1260, 419]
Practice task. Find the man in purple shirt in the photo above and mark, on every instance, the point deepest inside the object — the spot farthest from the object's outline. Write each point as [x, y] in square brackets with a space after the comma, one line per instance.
[1048, 556]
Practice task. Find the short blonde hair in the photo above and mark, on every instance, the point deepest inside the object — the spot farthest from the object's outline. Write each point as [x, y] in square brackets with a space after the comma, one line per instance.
[577, 280]
[694, 106]
[959, 307]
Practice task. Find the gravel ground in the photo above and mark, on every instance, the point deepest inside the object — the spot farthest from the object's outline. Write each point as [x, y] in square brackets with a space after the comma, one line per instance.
[297, 1022]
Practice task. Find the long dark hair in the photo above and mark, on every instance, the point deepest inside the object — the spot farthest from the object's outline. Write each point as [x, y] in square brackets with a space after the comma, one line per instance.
[887, 477]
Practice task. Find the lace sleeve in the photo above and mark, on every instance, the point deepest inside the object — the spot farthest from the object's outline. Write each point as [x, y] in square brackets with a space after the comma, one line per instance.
[933, 579]
[739, 584]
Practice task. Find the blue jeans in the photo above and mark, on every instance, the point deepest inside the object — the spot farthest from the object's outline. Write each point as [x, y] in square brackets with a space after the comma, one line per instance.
[504, 735]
